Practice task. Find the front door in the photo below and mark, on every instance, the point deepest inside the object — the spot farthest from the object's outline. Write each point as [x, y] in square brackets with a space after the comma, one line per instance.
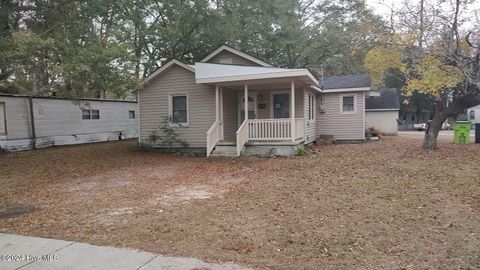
[2, 118]
[252, 106]
[281, 105]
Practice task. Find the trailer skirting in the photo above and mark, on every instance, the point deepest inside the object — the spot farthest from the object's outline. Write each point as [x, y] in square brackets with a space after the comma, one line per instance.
[12, 145]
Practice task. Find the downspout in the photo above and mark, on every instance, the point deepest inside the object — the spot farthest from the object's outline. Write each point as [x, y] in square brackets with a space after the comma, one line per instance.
[32, 122]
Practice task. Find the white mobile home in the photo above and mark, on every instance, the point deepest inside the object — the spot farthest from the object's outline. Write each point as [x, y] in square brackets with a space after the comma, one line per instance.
[30, 122]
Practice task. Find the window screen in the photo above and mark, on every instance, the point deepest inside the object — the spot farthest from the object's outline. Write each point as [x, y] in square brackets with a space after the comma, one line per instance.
[86, 114]
[95, 114]
[348, 104]
[179, 109]
[131, 114]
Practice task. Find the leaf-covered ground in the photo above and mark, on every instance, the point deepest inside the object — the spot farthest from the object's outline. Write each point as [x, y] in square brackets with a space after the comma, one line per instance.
[382, 205]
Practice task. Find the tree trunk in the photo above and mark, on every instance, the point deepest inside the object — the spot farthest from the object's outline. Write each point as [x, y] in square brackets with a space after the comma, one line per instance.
[442, 113]
[434, 126]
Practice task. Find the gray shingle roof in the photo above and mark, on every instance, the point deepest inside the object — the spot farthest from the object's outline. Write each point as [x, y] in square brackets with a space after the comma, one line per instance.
[346, 81]
[388, 99]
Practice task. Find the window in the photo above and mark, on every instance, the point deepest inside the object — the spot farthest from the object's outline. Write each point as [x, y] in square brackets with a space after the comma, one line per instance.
[348, 103]
[131, 114]
[311, 107]
[90, 114]
[95, 114]
[178, 111]
[281, 105]
[86, 114]
[472, 114]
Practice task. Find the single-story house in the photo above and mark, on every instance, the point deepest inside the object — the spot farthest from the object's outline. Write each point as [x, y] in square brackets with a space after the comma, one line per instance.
[381, 111]
[29, 122]
[231, 103]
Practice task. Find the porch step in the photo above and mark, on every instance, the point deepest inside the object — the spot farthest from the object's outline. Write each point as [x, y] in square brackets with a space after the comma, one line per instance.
[224, 151]
[226, 143]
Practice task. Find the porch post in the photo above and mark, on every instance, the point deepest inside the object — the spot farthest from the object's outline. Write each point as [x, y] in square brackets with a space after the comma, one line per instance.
[246, 102]
[221, 113]
[292, 111]
[217, 98]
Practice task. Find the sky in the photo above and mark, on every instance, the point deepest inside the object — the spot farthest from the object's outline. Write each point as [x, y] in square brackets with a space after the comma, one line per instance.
[381, 7]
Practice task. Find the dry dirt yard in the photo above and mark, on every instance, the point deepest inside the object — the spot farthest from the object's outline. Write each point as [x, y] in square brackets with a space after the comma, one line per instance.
[382, 205]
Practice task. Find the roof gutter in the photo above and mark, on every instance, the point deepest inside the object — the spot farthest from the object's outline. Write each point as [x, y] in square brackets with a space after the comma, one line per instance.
[314, 87]
[382, 110]
[340, 90]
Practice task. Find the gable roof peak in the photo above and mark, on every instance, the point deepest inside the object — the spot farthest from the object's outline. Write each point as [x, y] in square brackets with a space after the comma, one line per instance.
[236, 52]
[163, 68]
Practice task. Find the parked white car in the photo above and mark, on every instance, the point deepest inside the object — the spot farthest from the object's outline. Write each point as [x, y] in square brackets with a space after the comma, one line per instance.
[422, 126]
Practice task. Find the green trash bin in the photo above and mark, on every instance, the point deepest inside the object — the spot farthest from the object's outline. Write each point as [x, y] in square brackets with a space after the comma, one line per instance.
[462, 132]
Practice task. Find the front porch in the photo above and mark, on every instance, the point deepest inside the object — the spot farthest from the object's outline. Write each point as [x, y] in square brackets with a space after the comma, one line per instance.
[274, 120]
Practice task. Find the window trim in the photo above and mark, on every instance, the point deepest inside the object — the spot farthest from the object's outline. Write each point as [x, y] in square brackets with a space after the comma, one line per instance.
[89, 114]
[170, 109]
[134, 115]
[471, 115]
[354, 103]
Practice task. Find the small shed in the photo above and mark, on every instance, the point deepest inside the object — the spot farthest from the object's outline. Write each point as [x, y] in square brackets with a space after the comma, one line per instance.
[473, 115]
[381, 111]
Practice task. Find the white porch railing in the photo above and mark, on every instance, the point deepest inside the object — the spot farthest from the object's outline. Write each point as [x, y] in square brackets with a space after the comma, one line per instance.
[262, 130]
[213, 137]
[269, 129]
[274, 129]
[242, 136]
[300, 128]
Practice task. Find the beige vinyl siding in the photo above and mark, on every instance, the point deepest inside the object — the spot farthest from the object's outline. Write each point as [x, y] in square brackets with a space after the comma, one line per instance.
[343, 126]
[17, 117]
[263, 113]
[226, 57]
[310, 125]
[154, 99]
[230, 115]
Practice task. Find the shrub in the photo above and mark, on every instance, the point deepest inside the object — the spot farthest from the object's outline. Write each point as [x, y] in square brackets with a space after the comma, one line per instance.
[300, 151]
[166, 137]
